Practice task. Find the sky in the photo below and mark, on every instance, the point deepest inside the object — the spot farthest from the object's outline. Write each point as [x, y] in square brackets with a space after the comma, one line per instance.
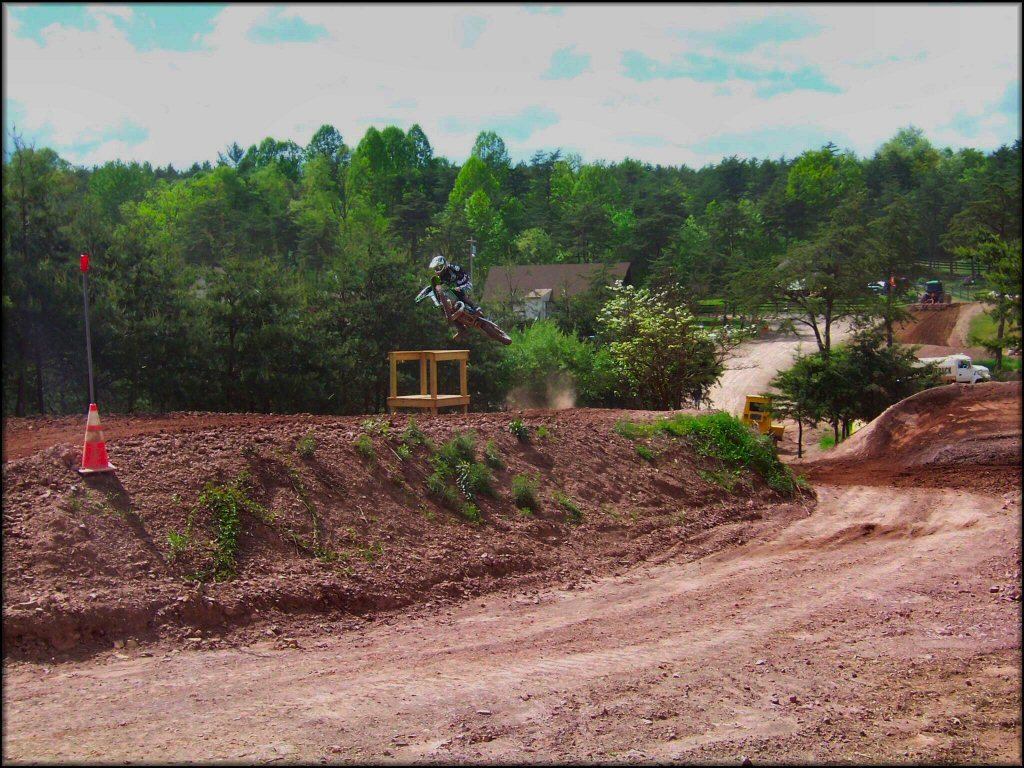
[667, 84]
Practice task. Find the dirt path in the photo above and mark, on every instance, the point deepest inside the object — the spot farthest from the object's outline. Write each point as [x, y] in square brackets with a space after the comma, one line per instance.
[755, 363]
[867, 632]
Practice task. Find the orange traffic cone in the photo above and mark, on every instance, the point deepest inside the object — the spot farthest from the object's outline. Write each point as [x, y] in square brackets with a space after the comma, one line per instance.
[94, 455]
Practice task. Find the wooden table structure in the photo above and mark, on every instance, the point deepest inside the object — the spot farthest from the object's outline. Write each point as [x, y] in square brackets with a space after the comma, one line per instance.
[428, 396]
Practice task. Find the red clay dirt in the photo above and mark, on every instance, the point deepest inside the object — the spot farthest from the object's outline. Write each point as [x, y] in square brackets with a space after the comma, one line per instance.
[941, 332]
[874, 620]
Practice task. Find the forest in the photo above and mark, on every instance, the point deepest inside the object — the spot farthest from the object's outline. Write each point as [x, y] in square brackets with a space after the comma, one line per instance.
[278, 279]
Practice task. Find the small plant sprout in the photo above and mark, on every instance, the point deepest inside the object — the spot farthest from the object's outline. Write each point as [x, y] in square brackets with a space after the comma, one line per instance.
[306, 446]
[364, 447]
[517, 428]
[570, 506]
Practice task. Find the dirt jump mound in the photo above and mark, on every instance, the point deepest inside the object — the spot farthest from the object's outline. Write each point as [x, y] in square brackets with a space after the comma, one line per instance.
[961, 436]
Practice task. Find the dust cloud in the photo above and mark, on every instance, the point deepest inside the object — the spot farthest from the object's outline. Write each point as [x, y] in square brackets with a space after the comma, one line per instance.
[559, 394]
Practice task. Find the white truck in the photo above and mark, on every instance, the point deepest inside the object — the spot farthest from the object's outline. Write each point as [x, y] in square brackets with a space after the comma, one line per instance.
[958, 369]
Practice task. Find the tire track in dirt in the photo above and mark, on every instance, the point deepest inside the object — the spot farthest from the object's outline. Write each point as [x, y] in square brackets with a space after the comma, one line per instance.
[673, 661]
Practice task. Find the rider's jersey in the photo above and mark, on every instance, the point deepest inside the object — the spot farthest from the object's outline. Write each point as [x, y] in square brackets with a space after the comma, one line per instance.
[457, 277]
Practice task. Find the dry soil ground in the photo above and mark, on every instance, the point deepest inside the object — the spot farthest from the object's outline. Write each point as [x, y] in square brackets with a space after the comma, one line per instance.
[874, 620]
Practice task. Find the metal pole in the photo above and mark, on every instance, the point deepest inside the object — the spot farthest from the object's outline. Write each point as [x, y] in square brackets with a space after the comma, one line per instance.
[84, 265]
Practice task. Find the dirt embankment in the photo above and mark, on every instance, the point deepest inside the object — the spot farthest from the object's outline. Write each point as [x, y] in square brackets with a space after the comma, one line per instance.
[89, 561]
[941, 332]
[965, 436]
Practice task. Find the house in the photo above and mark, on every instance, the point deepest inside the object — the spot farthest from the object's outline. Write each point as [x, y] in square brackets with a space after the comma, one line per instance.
[531, 289]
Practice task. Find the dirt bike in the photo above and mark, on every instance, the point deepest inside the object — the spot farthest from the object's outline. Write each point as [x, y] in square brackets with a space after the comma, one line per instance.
[458, 314]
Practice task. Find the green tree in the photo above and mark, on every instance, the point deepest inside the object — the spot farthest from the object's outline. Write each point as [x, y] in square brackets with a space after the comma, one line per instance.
[662, 355]
[892, 239]
[551, 368]
[42, 309]
[826, 278]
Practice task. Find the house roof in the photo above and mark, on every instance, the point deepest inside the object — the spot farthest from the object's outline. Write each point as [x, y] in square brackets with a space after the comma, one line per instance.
[505, 283]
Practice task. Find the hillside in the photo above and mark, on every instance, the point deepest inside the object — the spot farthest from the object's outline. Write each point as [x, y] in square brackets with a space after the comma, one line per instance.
[89, 561]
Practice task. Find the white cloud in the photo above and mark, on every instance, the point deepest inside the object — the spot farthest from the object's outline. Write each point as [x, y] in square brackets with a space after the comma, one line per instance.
[895, 65]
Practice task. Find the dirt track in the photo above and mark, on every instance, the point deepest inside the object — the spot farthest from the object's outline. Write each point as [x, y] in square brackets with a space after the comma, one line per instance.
[881, 624]
[845, 636]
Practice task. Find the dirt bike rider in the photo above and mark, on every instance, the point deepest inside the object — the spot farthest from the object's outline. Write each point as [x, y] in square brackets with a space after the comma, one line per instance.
[456, 278]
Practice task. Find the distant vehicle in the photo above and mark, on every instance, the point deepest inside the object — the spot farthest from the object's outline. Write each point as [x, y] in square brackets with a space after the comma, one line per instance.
[934, 296]
[883, 287]
[959, 369]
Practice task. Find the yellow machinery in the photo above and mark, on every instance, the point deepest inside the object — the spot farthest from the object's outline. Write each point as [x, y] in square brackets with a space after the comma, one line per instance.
[757, 413]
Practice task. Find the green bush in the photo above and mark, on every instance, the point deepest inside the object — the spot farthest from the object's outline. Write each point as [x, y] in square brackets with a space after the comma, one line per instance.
[524, 492]
[460, 447]
[722, 437]
[306, 447]
[364, 447]
[473, 479]
[412, 435]
[645, 453]
[517, 428]
[454, 462]
[549, 365]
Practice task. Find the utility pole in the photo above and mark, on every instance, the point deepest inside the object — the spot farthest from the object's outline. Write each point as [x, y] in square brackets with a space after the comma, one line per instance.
[472, 253]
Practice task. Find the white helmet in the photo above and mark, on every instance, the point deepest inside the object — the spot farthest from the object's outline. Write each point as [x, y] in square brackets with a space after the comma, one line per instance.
[438, 263]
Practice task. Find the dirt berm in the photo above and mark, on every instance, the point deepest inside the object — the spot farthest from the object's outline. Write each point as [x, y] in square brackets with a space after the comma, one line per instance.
[956, 436]
[341, 535]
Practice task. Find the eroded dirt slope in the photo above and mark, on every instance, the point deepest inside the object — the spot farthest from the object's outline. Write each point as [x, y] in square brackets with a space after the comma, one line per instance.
[88, 561]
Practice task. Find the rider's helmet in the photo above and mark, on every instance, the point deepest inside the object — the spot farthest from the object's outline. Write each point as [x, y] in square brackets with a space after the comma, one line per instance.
[438, 264]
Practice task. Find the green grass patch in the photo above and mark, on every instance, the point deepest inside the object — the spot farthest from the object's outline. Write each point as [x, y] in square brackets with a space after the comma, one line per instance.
[306, 447]
[982, 328]
[721, 437]
[827, 441]
[634, 430]
[645, 453]
[575, 514]
[722, 477]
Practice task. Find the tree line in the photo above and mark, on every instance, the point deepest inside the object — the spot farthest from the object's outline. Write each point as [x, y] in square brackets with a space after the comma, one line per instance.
[278, 278]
